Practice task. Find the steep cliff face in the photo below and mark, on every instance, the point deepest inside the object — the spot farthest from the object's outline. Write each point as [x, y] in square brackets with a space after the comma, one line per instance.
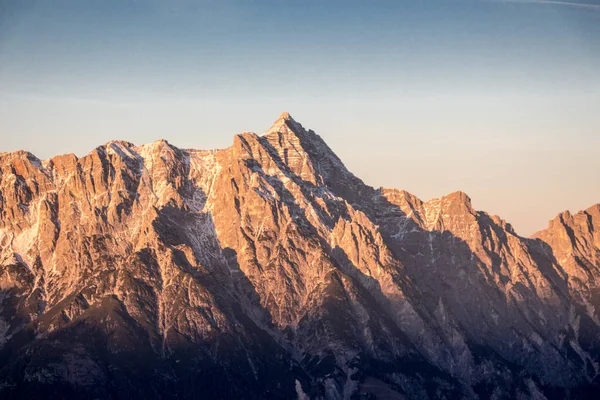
[268, 270]
[575, 241]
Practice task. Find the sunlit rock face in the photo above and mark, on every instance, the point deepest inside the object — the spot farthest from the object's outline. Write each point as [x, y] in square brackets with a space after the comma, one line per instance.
[268, 270]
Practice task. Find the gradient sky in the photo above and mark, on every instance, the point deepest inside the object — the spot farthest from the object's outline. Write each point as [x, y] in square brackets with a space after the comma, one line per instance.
[500, 99]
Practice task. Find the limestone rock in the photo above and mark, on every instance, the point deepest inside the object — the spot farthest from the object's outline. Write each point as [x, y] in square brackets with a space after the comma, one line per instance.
[268, 270]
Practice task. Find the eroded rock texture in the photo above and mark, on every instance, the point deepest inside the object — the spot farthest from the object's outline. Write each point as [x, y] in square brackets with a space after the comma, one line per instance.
[268, 270]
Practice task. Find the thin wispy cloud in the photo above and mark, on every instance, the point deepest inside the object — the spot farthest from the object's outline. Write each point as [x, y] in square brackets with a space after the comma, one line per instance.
[588, 6]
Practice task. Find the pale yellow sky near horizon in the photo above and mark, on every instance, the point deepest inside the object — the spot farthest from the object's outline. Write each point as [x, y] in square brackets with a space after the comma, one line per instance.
[503, 168]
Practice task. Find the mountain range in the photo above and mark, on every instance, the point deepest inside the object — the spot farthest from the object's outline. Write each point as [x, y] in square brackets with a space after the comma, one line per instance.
[267, 270]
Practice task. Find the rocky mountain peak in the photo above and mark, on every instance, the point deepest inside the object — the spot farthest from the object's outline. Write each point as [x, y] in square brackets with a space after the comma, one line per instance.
[286, 130]
[285, 124]
[268, 270]
[285, 116]
[122, 143]
[459, 198]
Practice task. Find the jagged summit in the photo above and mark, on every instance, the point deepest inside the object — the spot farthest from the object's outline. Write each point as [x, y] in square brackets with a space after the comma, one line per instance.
[18, 154]
[268, 270]
[119, 143]
[285, 124]
[285, 116]
[459, 196]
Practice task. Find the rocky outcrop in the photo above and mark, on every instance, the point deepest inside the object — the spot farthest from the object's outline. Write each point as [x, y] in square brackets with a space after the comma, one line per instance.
[268, 270]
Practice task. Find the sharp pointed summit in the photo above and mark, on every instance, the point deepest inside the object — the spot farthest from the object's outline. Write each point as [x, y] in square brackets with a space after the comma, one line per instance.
[285, 116]
[285, 124]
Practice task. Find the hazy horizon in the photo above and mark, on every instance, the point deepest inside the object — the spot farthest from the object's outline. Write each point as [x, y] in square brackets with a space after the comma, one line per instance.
[498, 99]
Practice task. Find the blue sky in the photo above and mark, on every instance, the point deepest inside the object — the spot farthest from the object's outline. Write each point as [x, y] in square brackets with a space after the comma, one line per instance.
[496, 98]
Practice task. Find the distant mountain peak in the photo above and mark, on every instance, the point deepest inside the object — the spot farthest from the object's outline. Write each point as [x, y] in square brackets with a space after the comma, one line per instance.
[285, 116]
[285, 124]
